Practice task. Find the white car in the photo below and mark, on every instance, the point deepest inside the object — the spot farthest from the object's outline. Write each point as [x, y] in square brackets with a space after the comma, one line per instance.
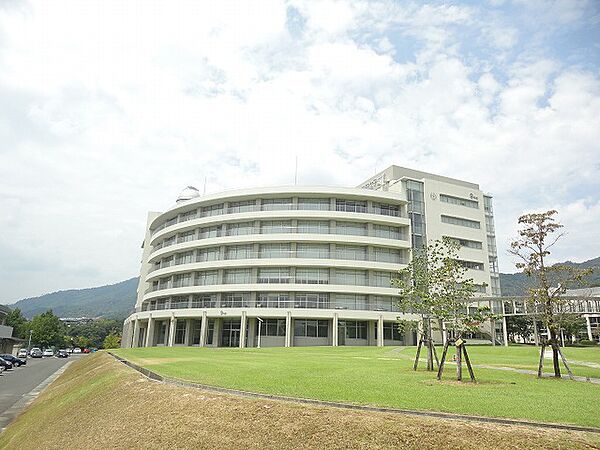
[76, 350]
[22, 353]
[48, 352]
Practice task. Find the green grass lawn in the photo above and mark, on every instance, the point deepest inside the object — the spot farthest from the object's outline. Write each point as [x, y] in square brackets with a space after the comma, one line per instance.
[384, 377]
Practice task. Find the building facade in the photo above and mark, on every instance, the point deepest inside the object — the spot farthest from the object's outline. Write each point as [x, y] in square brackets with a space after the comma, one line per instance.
[299, 266]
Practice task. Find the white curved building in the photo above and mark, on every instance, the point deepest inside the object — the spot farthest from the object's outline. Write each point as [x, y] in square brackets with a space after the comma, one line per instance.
[289, 266]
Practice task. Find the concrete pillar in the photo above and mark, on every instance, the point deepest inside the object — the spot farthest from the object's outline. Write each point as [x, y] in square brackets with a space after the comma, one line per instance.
[289, 333]
[150, 332]
[536, 335]
[589, 328]
[136, 333]
[493, 332]
[371, 333]
[203, 327]
[243, 323]
[380, 332]
[172, 326]
[217, 332]
[335, 330]
[188, 332]
[444, 332]
[504, 331]
[251, 331]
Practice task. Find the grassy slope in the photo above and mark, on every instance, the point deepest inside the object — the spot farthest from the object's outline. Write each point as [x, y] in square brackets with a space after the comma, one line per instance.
[99, 403]
[383, 376]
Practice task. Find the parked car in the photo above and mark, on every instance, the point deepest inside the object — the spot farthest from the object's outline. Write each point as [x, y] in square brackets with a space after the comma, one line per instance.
[76, 350]
[6, 364]
[48, 352]
[62, 354]
[22, 353]
[35, 349]
[1, 369]
[18, 362]
[35, 353]
[86, 350]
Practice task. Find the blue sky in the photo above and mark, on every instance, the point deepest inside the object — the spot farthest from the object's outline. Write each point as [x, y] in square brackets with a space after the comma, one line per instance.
[110, 108]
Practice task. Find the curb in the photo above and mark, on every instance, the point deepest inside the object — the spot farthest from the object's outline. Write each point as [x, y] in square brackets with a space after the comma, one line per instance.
[440, 415]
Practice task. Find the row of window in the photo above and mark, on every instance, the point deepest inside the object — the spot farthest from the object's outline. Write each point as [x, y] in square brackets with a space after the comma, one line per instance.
[473, 265]
[303, 300]
[279, 204]
[467, 243]
[459, 201]
[277, 275]
[286, 227]
[284, 250]
[461, 222]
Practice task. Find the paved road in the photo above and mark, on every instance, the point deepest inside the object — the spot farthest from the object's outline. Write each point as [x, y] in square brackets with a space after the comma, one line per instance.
[18, 382]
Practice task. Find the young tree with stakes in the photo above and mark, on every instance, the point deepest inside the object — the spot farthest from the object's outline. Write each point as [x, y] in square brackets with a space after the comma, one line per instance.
[434, 286]
[536, 238]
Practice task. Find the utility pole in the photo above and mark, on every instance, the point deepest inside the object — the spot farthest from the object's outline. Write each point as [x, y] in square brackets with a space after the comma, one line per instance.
[260, 321]
[29, 344]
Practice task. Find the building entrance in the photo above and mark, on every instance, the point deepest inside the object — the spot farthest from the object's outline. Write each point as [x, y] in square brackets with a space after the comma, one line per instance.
[230, 333]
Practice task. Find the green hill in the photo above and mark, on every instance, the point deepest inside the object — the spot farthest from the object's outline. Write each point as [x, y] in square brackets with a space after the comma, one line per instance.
[517, 283]
[115, 301]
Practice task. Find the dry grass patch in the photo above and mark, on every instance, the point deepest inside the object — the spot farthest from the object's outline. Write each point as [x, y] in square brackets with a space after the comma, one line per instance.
[100, 404]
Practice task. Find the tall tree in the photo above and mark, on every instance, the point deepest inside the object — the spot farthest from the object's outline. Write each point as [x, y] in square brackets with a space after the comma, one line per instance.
[47, 329]
[16, 320]
[518, 326]
[112, 341]
[536, 238]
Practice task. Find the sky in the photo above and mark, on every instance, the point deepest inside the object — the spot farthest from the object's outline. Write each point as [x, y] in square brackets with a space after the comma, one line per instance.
[108, 109]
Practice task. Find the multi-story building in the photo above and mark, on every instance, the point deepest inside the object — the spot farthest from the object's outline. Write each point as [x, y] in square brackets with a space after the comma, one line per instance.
[298, 266]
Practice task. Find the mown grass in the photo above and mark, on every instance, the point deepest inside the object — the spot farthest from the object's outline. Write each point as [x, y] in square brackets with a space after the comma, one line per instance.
[384, 376]
[99, 403]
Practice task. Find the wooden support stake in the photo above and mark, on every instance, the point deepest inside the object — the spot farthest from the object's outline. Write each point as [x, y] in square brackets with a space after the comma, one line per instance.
[459, 362]
[464, 348]
[418, 353]
[437, 361]
[443, 361]
[541, 365]
[564, 360]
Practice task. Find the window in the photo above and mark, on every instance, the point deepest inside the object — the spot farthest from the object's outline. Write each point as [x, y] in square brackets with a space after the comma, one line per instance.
[461, 222]
[352, 252]
[390, 332]
[386, 210]
[383, 279]
[186, 237]
[204, 301]
[383, 254]
[351, 228]
[167, 262]
[168, 241]
[489, 224]
[179, 302]
[276, 204]
[384, 303]
[235, 299]
[209, 232]
[354, 329]
[271, 327]
[276, 250]
[237, 276]
[182, 280]
[273, 300]
[208, 254]
[493, 264]
[487, 205]
[350, 301]
[472, 265]
[320, 204]
[164, 283]
[350, 205]
[243, 206]
[276, 226]
[466, 243]
[312, 300]
[184, 217]
[239, 229]
[311, 328]
[240, 252]
[206, 278]
[312, 250]
[180, 331]
[170, 222]
[313, 226]
[274, 275]
[351, 277]
[459, 201]
[386, 232]
[184, 258]
[491, 242]
[312, 276]
[212, 210]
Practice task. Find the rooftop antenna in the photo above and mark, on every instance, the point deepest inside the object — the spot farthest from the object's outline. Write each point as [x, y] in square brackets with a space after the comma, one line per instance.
[296, 172]
[204, 193]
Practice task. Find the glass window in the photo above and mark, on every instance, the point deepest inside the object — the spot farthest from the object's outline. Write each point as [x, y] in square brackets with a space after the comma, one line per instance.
[271, 327]
[312, 250]
[212, 210]
[350, 205]
[472, 265]
[320, 204]
[311, 328]
[391, 255]
[243, 206]
[313, 226]
[466, 243]
[273, 300]
[386, 210]
[206, 278]
[387, 232]
[276, 204]
[281, 250]
[204, 301]
[274, 275]
[459, 201]
[351, 277]
[208, 254]
[390, 332]
[241, 228]
[306, 275]
[184, 258]
[237, 276]
[240, 252]
[167, 262]
[353, 252]
[183, 217]
[354, 329]
[209, 232]
[180, 331]
[179, 302]
[276, 226]
[351, 228]
[318, 300]
[351, 301]
[235, 299]
[164, 283]
[182, 280]
[461, 222]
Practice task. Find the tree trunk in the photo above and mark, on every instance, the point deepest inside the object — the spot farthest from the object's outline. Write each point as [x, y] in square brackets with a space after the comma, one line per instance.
[555, 356]
[443, 360]
[429, 347]
[541, 365]
[419, 346]
[459, 363]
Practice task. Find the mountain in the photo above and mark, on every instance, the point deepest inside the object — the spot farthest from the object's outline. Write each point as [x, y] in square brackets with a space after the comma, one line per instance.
[114, 301]
[517, 283]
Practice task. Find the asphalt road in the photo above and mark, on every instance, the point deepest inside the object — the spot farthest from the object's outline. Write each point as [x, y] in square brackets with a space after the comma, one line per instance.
[18, 382]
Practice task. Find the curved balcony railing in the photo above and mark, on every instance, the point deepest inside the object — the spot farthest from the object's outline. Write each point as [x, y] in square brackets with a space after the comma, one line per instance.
[281, 207]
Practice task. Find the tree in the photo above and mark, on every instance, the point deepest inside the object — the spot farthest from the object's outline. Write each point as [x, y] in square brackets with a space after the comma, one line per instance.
[19, 323]
[519, 326]
[112, 341]
[573, 325]
[47, 329]
[434, 285]
[532, 247]
[82, 342]
[96, 331]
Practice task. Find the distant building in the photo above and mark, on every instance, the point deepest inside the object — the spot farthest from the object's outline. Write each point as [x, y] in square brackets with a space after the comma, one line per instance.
[7, 341]
[301, 265]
